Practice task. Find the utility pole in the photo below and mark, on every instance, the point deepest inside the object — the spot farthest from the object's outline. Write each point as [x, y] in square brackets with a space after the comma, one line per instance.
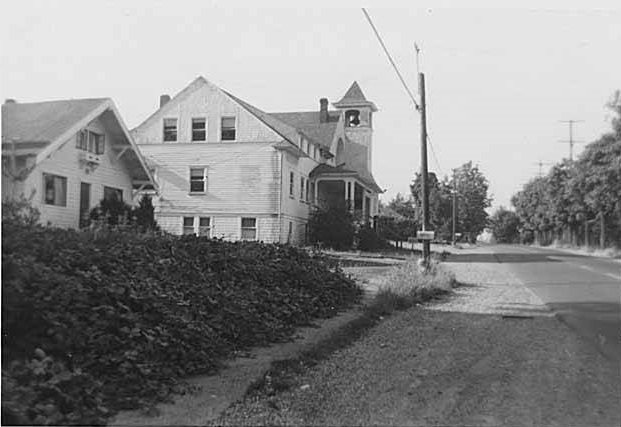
[541, 165]
[423, 163]
[454, 207]
[571, 141]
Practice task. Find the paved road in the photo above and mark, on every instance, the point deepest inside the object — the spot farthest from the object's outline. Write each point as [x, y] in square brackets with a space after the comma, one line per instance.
[584, 292]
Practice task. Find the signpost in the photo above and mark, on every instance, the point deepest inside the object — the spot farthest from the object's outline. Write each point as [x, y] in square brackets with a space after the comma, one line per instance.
[425, 235]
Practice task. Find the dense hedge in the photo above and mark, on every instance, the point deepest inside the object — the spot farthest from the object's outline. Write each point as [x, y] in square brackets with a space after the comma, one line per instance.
[139, 312]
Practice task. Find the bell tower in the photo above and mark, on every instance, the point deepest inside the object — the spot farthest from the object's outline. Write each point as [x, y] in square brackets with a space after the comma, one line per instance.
[357, 115]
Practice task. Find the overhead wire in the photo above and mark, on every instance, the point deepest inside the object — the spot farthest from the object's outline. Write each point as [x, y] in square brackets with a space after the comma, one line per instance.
[405, 85]
[379, 38]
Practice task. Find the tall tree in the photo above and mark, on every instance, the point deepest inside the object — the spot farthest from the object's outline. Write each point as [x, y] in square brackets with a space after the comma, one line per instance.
[440, 213]
[505, 226]
[472, 192]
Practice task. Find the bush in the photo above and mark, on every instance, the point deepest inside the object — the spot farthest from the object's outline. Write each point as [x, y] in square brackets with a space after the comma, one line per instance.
[139, 311]
[114, 213]
[408, 284]
[20, 211]
[332, 226]
[369, 240]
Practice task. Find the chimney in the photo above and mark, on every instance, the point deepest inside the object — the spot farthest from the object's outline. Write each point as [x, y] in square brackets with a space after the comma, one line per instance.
[9, 101]
[323, 110]
[164, 100]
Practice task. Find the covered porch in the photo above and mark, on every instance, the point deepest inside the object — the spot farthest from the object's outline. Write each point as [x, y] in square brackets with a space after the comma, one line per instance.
[346, 191]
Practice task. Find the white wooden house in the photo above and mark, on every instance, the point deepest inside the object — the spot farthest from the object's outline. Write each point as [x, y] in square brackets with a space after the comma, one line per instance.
[66, 156]
[230, 170]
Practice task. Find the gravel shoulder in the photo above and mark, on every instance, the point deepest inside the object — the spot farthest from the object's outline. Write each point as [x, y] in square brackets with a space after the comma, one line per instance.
[490, 355]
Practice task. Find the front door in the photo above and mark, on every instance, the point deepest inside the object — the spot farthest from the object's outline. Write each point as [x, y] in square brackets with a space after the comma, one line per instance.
[85, 204]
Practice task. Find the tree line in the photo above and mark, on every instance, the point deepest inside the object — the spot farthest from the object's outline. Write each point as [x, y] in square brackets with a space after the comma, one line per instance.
[577, 202]
[466, 189]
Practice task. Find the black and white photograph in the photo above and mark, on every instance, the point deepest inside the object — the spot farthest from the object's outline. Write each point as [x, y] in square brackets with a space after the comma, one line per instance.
[383, 213]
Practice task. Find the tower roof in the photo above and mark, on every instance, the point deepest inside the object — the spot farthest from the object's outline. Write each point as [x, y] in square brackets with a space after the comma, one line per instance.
[354, 97]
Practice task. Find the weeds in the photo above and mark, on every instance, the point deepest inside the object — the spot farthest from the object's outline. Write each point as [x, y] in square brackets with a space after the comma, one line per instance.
[407, 285]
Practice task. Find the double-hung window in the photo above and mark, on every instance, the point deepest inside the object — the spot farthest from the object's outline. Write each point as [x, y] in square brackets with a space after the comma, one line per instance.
[188, 225]
[227, 129]
[291, 183]
[200, 226]
[170, 130]
[301, 188]
[55, 190]
[199, 129]
[198, 180]
[249, 229]
[204, 226]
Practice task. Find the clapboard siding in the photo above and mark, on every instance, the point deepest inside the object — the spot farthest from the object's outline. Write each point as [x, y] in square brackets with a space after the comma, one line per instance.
[241, 178]
[224, 226]
[65, 162]
[203, 99]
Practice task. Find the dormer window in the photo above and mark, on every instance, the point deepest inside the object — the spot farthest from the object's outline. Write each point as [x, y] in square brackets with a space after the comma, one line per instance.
[352, 118]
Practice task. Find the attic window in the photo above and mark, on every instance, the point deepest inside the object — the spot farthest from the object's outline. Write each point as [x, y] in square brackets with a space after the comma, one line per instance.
[228, 129]
[352, 118]
[92, 142]
[170, 130]
[199, 129]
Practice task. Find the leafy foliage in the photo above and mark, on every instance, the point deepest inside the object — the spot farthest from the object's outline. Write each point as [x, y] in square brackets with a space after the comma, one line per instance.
[578, 196]
[472, 200]
[370, 240]
[140, 312]
[505, 226]
[332, 226]
[113, 212]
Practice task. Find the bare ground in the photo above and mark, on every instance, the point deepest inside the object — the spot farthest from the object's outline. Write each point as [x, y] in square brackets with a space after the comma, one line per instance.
[491, 355]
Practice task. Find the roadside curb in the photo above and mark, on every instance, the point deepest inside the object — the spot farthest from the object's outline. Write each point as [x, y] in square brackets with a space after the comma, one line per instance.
[218, 392]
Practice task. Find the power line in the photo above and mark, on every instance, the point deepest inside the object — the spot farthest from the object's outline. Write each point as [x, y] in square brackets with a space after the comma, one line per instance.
[407, 89]
[379, 38]
[571, 141]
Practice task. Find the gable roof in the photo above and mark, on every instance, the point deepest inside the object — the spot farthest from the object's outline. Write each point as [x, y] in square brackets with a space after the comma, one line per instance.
[308, 123]
[288, 132]
[43, 122]
[39, 128]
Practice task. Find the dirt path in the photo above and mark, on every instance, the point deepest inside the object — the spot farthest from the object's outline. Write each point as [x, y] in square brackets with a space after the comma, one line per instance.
[492, 355]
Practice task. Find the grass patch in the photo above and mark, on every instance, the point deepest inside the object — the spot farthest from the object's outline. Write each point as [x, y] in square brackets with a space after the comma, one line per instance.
[407, 285]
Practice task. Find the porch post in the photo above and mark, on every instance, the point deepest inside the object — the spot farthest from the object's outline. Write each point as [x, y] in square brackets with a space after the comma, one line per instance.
[364, 202]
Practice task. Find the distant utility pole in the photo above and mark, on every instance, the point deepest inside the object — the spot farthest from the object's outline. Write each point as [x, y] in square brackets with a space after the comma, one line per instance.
[454, 208]
[571, 141]
[423, 163]
[541, 165]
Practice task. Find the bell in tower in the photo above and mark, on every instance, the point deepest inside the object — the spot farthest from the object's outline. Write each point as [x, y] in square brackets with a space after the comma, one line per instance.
[357, 113]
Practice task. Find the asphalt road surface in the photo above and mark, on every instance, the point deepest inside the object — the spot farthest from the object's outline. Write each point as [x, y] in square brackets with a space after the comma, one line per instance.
[583, 291]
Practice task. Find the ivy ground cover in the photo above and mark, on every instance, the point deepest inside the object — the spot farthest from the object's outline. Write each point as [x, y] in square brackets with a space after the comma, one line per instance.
[94, 323]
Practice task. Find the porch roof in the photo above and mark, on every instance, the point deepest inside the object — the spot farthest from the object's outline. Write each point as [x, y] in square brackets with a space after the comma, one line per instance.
[324, 170]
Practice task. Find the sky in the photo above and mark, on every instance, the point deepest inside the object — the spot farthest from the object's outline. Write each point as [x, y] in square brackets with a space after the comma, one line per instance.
[500, 76]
